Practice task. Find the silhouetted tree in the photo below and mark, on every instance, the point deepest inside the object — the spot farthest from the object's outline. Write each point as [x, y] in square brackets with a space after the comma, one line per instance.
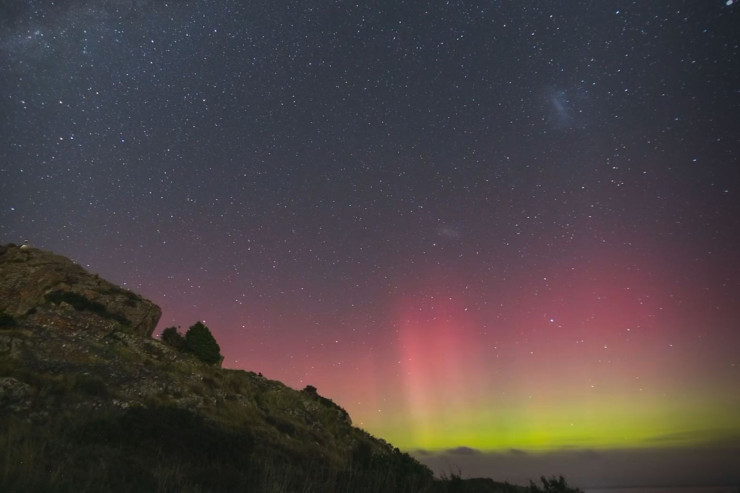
[200, 342]
[172, 337]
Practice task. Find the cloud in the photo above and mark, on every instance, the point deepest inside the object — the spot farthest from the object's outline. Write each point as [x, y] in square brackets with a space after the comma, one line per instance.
[463, 451]
[728, 437]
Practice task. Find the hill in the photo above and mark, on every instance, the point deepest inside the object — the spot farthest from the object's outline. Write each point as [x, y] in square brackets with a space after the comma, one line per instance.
[89, 401]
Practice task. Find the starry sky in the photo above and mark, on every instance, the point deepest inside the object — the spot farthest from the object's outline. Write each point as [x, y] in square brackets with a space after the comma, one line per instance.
[488, 229]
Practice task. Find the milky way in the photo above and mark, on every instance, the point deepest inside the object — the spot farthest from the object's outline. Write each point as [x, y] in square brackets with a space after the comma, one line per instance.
[491, 225]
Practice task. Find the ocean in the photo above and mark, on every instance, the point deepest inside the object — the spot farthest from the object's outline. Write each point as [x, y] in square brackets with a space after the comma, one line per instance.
[674, 489]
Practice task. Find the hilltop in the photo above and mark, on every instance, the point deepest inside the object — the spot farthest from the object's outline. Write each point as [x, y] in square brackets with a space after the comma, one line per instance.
[89, 401]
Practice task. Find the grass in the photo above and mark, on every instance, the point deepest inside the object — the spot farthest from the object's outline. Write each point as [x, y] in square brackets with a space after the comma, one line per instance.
[169, 449]
[112, 412]
[199, 429]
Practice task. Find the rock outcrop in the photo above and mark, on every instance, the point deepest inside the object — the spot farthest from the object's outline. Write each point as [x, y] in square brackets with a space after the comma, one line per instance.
[50, 290]
[88, 404]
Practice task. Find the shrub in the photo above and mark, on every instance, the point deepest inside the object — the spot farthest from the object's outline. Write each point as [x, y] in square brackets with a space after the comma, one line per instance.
[200, 342]
[553, 485]
[173, 338]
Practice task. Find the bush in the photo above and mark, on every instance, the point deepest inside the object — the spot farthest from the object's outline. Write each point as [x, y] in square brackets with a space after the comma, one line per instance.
[553, 485]
[173, 338]
[200, 342]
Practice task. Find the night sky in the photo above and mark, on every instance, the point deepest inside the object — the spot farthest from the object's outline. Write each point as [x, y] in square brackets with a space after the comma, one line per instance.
[489, 230]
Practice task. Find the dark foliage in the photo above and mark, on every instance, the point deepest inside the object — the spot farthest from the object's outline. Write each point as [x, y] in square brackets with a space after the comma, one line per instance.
[207, 456]
[172, 449]
[362, 454]
[283, 425]
[200, 342]
[173, 338]
[553, 485]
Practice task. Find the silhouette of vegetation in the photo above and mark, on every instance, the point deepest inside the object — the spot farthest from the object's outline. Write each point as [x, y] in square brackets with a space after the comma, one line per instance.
[455, 483]
[173, 338]
[163, 447]
[172, 449]
[553, 485]
[200, 342]
[197, 341]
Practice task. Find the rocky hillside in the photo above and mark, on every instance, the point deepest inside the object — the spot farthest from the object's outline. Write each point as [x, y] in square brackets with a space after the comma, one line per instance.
[90, 402]
[42, 289]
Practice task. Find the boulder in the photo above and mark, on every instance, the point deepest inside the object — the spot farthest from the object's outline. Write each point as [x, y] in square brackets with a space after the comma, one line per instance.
[49, 289]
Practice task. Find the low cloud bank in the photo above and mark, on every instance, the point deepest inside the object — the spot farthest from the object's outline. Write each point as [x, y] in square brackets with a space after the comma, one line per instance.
[709, 465]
